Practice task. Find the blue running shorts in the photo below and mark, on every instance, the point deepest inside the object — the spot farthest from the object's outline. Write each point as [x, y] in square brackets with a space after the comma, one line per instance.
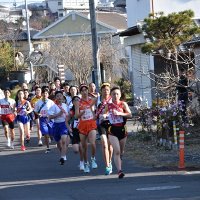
[23, 119]
[59, 129]
[46, 126]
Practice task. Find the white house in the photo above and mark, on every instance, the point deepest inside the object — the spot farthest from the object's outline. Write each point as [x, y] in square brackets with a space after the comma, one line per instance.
[10, 15]
[137, 10]
[77, 24]
[4, 12]
[141, 64]
[62, 7]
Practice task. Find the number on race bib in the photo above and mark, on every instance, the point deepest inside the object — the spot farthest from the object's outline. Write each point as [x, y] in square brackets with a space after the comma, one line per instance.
[76, 122]
[87, 114]
[43, 112]
[115, 119]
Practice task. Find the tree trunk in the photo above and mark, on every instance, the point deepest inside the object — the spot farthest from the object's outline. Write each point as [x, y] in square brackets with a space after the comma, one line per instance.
[176, 61]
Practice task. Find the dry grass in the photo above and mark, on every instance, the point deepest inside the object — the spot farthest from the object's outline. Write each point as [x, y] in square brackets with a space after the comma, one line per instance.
[147, 153]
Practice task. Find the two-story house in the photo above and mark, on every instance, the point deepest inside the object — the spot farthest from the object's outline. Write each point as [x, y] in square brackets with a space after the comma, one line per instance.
[77, 24]
[140, 63]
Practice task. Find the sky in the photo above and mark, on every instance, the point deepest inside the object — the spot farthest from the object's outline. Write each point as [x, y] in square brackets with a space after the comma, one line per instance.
[19, 2]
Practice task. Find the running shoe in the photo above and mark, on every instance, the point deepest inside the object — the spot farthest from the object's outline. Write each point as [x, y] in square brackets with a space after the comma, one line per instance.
[8, 142]
[93, 163]
[12, 145]
[48, 150]
[40, 143]
[87, 168]
[23, 148]
[62, 161]
[108, 171]
[111, 168]
[121, 174]
[81, 166]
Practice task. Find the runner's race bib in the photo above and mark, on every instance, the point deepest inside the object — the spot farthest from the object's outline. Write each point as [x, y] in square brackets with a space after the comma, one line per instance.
[43, 113]
[5, 109]
[22, 112]
[88, 115]
[76, 122]
[115, 119]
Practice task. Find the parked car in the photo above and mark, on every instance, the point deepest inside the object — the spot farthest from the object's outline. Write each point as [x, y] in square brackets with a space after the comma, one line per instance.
[10, 84]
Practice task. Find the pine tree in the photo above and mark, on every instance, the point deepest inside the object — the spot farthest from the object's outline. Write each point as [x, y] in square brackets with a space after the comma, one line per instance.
[166, 33]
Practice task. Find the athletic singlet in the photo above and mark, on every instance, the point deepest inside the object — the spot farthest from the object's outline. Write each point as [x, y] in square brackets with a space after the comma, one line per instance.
[34, 100]
[86, 105]
[55, 109]
[6, 106]
[115, 119]
[102, 109]
[43, 107]
[22, 108]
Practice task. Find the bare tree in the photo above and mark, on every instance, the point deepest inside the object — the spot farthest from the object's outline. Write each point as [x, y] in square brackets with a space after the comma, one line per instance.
[113, 58]
[76, 54]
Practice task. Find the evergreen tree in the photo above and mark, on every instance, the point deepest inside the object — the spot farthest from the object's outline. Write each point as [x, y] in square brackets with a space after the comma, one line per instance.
[165, 36]
[166, 33]
[6, 57]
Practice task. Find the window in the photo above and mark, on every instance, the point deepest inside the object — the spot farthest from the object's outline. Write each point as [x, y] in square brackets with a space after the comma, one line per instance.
[60, 14]
[38, 46]
[59, 3]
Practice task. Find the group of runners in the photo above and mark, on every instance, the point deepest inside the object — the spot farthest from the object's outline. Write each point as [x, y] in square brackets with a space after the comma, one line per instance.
[68, 113]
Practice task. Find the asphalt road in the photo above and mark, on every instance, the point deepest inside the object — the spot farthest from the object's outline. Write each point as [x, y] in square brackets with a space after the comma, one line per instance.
[34, 175]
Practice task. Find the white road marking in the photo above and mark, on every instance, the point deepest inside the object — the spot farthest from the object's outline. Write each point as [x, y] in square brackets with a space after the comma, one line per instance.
[159, 188]
[193, 172]
[10, 184]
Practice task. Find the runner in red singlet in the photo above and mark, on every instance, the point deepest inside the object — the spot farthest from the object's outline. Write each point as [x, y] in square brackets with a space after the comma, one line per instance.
[84, 109]
[7, 108]
[103, 124]
[117, 112]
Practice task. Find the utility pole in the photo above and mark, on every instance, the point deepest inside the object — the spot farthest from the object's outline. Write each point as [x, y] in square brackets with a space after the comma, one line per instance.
[95, 48]
[29, 38]
[152, 8]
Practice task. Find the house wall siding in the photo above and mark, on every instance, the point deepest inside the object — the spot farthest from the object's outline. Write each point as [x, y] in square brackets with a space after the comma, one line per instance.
[53, 5]
[137, 10]
[141, 83]
[135, 39]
